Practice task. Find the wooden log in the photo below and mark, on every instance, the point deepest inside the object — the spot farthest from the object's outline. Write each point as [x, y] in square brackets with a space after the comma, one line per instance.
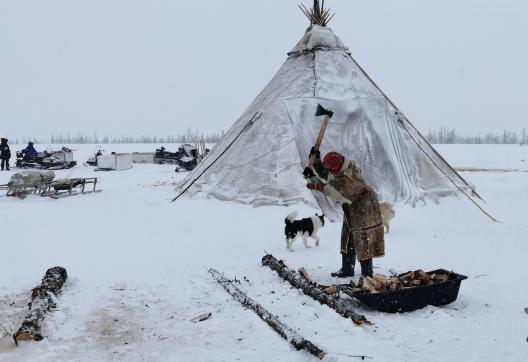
[313, 290]
[304, 274]
[42, 302]
[273, 321]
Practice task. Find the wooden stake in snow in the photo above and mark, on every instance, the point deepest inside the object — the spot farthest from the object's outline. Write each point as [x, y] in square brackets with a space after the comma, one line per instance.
[273, 321]
[312, 289]
[42, 302]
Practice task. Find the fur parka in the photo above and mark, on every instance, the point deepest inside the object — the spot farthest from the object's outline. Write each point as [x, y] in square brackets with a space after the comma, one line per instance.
[362, 221]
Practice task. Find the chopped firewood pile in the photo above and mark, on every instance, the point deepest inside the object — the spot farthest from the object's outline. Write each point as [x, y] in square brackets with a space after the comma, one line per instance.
[381, 283]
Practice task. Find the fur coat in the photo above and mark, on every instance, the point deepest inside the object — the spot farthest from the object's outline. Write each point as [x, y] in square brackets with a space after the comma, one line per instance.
[362, 221]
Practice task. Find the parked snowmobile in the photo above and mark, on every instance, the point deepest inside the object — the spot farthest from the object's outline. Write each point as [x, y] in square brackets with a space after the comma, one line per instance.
[186, 163]
[164, 157]
[92, 161]
[185, 159]
[188, 159]
[54, 160]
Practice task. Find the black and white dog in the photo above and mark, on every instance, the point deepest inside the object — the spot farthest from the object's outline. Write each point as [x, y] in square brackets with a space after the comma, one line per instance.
[304, 228]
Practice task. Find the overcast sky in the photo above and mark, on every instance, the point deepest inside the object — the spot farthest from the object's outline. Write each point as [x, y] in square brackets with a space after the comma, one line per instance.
[155, 67]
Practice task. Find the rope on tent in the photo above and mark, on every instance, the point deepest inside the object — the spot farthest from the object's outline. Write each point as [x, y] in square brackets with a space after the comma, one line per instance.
[253, 119]
[432, 148]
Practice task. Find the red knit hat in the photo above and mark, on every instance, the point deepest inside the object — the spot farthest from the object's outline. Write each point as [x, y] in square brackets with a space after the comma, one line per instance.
[333, 161]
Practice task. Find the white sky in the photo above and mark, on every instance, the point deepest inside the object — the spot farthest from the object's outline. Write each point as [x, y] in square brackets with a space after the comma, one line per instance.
[155, 67]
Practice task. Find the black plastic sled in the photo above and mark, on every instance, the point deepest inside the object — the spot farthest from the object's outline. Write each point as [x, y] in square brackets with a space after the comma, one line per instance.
[411, 299]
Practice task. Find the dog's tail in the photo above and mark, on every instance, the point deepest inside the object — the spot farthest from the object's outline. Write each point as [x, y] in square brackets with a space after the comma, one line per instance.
[291, 217]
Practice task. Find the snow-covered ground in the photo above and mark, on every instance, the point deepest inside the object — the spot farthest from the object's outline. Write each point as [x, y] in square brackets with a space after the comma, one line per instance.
[138, 265]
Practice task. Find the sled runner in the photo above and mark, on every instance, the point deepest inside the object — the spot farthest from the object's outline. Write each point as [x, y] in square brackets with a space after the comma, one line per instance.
[68, 187]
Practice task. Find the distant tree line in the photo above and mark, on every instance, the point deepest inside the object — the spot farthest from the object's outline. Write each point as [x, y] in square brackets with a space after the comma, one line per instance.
[449, 136]
[442, 136]
[80, 138]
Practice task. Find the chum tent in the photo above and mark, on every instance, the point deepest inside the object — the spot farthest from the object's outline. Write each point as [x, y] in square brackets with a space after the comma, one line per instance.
[260, 159]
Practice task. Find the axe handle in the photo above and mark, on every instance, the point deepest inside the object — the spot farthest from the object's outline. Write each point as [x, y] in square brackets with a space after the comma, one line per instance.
[319, 140]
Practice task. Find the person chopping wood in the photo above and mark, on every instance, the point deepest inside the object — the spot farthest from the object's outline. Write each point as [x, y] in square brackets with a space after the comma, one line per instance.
[362, 235]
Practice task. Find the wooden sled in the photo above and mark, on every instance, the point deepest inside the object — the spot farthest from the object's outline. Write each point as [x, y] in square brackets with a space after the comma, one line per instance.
[68, 187]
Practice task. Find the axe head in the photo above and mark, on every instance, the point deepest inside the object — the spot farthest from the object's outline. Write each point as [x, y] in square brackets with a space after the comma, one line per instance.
[321, 111]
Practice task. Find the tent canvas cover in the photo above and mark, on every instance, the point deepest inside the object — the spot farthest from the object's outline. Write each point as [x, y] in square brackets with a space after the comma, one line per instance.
[260, 159]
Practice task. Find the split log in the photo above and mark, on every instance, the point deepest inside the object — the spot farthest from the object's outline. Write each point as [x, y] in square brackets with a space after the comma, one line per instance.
[331, 290]
[273, 321]
[381, 284]
[42, 302]
[313, 290]
[304, 274]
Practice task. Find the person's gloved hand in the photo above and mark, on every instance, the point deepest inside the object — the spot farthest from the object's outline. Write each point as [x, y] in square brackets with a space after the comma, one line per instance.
[315, 152]
[308, 173]
[317, 186]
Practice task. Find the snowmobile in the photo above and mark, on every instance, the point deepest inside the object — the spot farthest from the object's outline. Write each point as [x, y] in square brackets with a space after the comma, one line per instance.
[190, 157]
[185, 159]
[164, 157]
[92, 161]
[186, 163]
[55, 160]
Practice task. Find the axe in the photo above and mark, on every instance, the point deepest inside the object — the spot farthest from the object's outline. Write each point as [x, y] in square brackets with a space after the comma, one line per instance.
[321, 111]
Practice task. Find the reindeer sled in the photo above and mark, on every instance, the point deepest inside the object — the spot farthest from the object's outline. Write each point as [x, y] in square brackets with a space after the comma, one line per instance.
[43, 183]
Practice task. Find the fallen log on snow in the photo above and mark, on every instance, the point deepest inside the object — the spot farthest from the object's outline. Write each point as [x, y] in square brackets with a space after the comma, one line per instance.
[314, 290]
[42, 302]
[273, 321]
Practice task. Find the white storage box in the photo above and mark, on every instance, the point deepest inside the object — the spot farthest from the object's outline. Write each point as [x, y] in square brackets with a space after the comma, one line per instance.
[143, 157]
[114, 162]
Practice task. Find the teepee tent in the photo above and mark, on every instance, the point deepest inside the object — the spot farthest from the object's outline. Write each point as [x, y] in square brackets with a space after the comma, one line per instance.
[261, 158]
